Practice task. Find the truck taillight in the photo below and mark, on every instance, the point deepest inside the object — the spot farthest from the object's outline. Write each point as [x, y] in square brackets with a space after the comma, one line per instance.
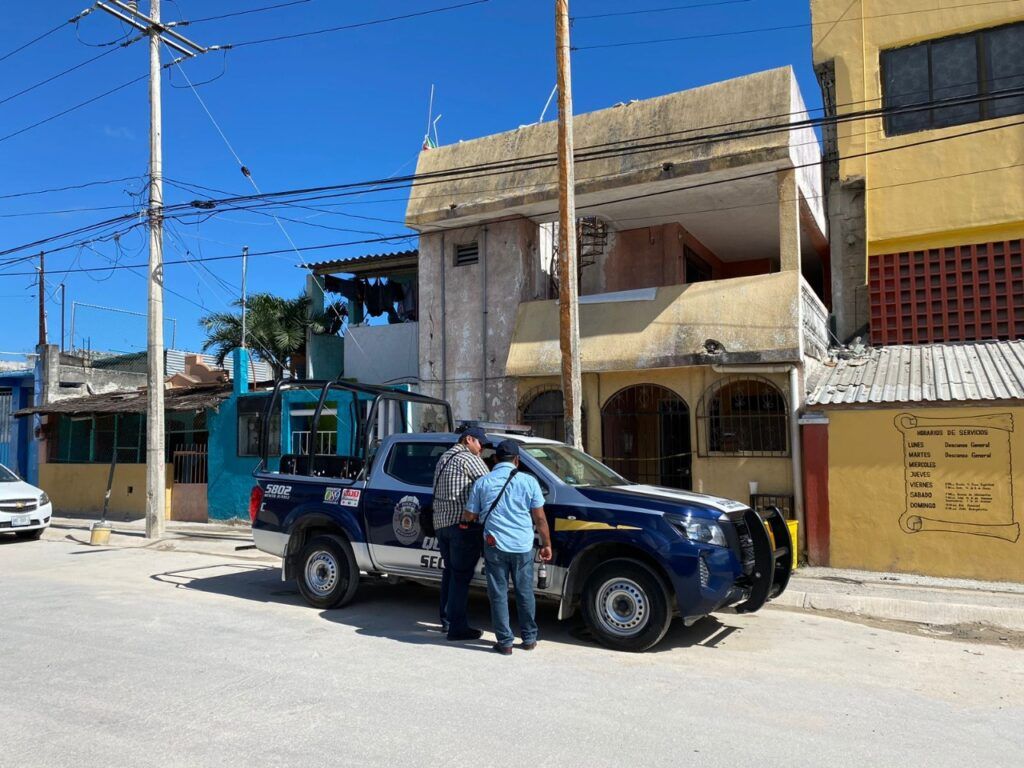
[255, 502]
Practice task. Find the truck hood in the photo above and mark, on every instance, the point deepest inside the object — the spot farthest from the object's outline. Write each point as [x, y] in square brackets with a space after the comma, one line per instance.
[657, 499]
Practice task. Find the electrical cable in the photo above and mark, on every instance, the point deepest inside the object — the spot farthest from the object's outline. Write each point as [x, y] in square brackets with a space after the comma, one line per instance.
[785, 27]
[242, 13]
[50, 79]
[358, 25]
[589, 16]
[84, 185]
[45, 35]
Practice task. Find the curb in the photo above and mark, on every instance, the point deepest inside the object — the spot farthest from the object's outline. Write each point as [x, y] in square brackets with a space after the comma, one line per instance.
[915, 611]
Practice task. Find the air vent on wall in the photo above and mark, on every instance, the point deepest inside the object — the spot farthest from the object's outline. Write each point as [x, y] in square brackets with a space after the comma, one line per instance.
[467, 254]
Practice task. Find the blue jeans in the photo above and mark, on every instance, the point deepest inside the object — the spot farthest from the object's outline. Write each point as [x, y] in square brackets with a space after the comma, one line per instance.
[460, 551]
[518, 566]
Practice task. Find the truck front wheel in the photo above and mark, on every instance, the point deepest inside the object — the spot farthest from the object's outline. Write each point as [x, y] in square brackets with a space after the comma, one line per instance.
[625, 606]
[328, 575]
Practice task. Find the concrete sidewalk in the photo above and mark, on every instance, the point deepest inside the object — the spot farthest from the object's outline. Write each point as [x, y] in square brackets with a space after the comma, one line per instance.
[879, 596]
[218, 539]
[906, 597]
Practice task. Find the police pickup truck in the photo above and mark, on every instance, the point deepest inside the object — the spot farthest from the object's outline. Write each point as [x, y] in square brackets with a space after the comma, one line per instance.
[629, 557]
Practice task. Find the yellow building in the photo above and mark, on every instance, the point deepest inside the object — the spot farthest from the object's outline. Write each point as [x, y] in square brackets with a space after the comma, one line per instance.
[926, 201]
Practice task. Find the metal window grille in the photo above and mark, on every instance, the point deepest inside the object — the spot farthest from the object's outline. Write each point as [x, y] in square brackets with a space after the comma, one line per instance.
[743, 416]
[191, 464]
[645, 436]
[93, 438]
[468, 253]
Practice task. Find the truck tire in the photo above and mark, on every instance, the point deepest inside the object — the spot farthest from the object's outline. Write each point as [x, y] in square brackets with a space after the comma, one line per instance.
[327, 572]
[625, 606]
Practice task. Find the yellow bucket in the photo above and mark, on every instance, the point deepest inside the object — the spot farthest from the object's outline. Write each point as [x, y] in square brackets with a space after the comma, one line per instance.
[794, 528]
[99, 534]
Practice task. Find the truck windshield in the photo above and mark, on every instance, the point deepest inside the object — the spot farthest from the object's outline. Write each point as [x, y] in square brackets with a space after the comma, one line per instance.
[573, 467]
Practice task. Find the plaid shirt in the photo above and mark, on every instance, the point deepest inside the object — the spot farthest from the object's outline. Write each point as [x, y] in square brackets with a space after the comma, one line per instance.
[454, 476]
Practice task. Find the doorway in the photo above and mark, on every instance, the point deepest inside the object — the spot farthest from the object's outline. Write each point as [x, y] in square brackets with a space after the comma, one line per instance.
[645, 436]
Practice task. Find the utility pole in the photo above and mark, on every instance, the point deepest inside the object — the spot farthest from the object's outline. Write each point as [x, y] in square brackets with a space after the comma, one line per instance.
[568, 290]
[158, 34]
[245, 269]
[42, 298]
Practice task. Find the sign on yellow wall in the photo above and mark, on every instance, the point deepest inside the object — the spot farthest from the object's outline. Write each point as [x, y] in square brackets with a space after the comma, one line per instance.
[927, 490]
[959, 475]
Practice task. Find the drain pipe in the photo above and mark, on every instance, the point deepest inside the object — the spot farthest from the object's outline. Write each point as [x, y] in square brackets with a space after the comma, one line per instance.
[444, 324]
[796, 450]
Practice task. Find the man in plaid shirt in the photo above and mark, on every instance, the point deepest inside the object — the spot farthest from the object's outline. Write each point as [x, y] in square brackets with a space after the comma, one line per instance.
[456, 471]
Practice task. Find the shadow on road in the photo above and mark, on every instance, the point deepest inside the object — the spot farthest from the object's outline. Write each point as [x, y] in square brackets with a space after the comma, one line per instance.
[407, 612]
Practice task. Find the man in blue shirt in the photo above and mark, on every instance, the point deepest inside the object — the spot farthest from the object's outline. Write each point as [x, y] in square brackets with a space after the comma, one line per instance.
[509, 503]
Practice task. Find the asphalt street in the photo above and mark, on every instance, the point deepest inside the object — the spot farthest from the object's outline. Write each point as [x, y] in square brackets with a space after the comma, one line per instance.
[134, 657]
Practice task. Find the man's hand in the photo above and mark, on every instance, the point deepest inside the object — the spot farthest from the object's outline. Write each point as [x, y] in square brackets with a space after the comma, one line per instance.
[468, 517]
[545, 553]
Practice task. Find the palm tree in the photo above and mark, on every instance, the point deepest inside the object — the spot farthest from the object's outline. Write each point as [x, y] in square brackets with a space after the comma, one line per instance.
[275, 329]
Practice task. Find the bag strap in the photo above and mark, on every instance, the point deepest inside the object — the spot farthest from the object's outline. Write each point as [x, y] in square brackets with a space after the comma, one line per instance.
[440, 472]
[497, 498]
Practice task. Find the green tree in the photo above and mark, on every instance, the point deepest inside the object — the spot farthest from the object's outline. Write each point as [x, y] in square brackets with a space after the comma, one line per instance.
[275, 329]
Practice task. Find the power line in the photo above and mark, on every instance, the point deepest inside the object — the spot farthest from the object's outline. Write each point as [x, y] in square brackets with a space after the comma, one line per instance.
[46, 34]
[657, 10]
[242, 13]
[358, 25]
[503, 167]
[75, 107]
[785, 27]
[67, 71]
[84, 185]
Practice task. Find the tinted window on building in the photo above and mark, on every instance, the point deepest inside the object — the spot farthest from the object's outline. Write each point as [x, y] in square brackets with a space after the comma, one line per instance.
[937, 74]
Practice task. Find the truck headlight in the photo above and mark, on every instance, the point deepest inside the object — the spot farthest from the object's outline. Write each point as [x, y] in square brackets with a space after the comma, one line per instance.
[43, 499]
[699, 529]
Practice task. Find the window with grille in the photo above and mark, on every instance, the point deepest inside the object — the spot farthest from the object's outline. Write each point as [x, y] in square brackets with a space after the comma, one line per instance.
[94, 438]
[982, 73]
[741, 416]
[250, 427]
[467, 254]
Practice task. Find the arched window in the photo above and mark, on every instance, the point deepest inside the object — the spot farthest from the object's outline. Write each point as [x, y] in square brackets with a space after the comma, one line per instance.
[544, 412]
[645, 436]
[743, 416]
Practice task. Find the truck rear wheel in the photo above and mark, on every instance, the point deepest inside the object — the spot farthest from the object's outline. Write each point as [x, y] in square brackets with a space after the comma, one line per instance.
[625, 606]
[327, 574]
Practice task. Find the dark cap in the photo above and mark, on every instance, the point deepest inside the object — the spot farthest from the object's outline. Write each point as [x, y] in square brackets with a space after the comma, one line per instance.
[478, 433]
[507, 449]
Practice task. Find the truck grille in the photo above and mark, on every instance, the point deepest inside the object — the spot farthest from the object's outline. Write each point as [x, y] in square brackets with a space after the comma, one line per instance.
[18, 506]
[746, 546]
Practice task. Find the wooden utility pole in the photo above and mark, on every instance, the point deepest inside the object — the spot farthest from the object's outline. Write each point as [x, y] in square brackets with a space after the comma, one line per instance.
[42, 298]
[568, 290]
[159, 34]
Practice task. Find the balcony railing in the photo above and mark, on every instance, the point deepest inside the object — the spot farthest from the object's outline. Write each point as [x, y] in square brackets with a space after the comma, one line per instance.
[326, 442]
[815, 322]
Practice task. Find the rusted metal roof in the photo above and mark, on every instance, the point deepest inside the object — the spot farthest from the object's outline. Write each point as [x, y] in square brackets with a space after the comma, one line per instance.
[925, 373]
[189, 399]
[370, 264]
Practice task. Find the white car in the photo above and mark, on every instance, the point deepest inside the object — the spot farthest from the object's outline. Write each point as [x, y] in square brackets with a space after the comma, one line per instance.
[25, 510]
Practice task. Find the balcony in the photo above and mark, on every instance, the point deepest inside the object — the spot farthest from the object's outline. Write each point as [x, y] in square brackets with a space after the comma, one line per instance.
[746, 320]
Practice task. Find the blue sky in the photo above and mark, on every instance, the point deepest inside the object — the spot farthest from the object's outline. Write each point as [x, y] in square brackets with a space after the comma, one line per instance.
[330, 109]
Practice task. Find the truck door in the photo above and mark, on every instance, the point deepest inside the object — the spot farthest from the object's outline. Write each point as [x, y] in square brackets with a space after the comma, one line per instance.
[399, 492]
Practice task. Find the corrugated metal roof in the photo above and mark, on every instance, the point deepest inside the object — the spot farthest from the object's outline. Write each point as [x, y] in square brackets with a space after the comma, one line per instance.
[174, 362]
[134, 401]
[360, 263]
[991, 370]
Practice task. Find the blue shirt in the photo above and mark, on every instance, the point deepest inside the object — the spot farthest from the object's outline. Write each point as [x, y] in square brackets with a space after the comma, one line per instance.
[511, 523]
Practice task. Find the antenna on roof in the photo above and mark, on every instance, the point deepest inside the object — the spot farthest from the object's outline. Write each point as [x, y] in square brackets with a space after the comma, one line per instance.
[427, 143]
[547, 103]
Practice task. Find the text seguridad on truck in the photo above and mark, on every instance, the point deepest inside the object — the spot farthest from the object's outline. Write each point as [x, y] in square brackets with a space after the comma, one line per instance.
[628, 556]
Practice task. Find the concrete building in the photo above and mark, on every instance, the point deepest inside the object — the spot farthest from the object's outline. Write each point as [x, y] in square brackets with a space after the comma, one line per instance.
[704, 282]
[910, 443]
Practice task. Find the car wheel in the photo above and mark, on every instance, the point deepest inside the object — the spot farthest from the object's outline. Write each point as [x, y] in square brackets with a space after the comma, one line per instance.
[30, 535]
[328, 575]
[625, 606]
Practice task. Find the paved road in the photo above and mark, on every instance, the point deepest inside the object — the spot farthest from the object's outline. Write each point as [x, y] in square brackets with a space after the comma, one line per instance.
[134, 657]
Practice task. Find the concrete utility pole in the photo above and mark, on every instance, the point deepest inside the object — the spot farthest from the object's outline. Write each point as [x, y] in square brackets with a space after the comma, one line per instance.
[42, 298]
[158, 34]
[568, 290]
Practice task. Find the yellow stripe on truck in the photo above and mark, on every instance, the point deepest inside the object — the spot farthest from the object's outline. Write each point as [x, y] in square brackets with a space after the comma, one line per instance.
[562, 524]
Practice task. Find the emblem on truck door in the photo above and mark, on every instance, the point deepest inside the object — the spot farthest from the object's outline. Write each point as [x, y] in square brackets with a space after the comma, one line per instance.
[406, 520]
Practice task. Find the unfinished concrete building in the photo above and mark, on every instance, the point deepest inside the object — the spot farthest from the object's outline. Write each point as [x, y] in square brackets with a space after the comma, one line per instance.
[704, 282]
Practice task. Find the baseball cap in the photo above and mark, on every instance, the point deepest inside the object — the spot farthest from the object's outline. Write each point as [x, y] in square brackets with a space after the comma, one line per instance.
[478, 433]
[507, 449]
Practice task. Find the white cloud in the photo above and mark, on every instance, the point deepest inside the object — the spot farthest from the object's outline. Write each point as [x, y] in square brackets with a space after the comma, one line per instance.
[119, 132]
